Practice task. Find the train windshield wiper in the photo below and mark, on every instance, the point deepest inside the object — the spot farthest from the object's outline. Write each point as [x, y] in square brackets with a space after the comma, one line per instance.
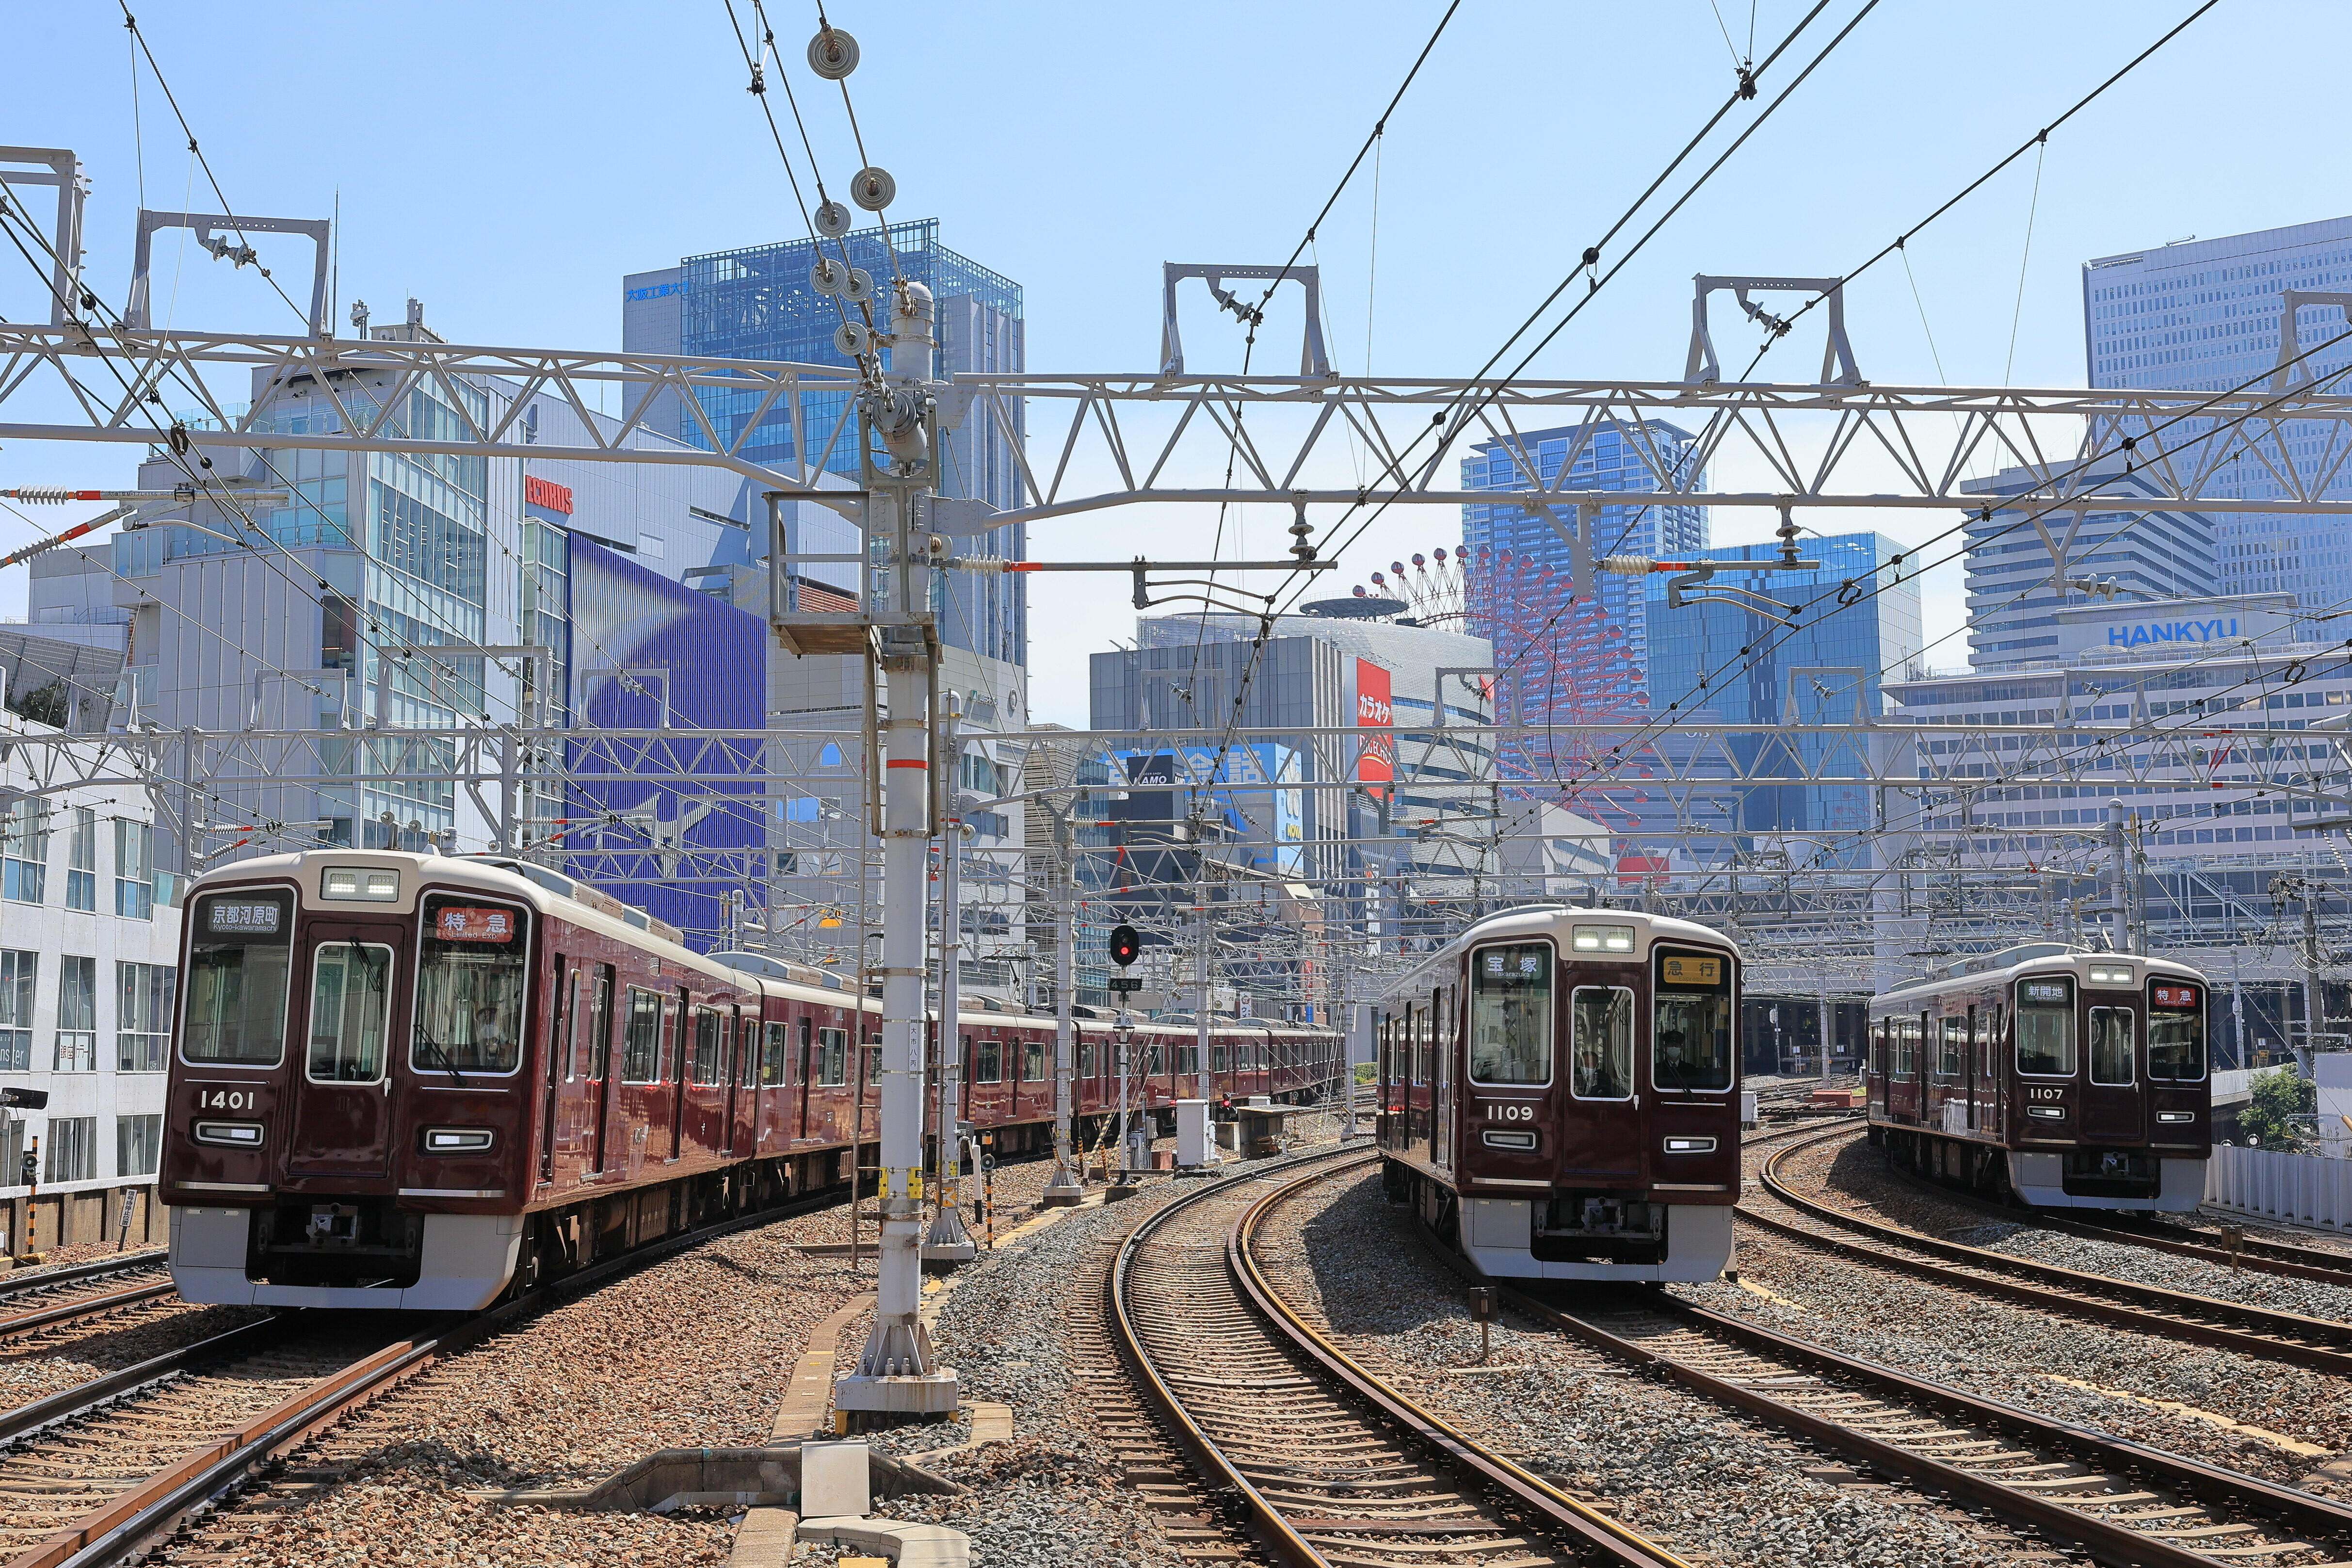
[451, 1067]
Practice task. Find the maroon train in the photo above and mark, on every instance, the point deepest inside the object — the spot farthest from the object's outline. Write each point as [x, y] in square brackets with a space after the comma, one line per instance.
[1560, 1095]
[416, 1081]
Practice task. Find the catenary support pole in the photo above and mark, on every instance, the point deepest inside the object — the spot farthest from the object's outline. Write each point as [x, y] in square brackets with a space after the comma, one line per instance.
[1064, 1188]
[898, 1372]
[947, 1241]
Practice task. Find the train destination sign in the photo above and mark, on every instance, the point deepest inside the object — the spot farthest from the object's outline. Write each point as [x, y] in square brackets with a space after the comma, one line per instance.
[2046, 993]
[1680, 971]
[242, 918]
[458, 922]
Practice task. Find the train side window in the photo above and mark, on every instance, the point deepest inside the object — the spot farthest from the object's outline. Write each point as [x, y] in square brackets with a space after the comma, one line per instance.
[641, 1041]
[2045, 1027]
[1510, 1015]
[832, 1057]
[775, 1056]
[240, 957]
[1980, 1040]
[1691, 1045]
[1085, 1057]
[1600, 1021]
[351, 1001]
[1951, 1059]
[599, 1023]
[1217, 1055]
[801, 1064]
[2111, 1046]
[1033, 1061]
[991, 1061]
[2176, 1032]
[566, 1042]
[706, 1061]
[1902, 1036]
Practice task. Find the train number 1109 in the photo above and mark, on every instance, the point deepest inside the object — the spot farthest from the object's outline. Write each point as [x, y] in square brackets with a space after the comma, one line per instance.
[1511, 1111]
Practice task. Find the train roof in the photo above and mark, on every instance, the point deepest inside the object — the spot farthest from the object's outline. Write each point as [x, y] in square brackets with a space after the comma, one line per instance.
[2031, 958]
[1546, 920]
[552, 892]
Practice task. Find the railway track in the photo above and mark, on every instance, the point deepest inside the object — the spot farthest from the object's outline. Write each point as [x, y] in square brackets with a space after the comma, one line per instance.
[2234, 1248]
[2259, 1331]
[2121, 1502]
[99, 1473]
[63, 1296]
[1331, 1465]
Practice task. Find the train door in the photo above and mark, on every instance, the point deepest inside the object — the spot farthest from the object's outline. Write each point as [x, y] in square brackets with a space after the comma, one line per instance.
[2112, 1094]
[1597, 1141]
[1875, 1069]
[804, 1075]
[680, 1046]
[1971, 1045]
[342, 1108]
[1441, 1139]
[556, 1064]
[744, 1121]
[598, 1052]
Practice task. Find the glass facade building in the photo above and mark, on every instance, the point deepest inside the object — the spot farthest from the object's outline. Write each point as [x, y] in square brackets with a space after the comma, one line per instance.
[2013, 580]
[757, 302]
[1595, 457]
[1828, 669]
[2203, 315]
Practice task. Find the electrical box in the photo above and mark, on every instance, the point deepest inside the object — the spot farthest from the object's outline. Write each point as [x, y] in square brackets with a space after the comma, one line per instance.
[1193, 1146]
[835, 1481]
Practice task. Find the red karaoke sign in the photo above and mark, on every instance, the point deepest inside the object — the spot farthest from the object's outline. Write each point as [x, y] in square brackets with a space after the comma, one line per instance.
[1377, 758]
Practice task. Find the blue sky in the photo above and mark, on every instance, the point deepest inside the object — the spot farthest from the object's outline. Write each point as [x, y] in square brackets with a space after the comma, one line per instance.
[507, 164]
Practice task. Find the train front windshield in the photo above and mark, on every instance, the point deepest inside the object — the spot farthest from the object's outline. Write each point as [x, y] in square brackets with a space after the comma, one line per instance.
[240, 950]
[1690, 1039]
[469, 988]
[1510, 1013]
[2176, 1032]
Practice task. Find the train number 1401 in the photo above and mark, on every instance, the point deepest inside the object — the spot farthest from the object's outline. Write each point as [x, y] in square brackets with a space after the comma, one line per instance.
[224, 1100]
[1510, 1110]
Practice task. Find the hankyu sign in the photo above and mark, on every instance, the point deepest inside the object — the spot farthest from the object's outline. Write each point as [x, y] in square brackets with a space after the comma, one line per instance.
[2141, 634]
[537, 491]
[1374, 711]
[459, 923]
[2158, 628]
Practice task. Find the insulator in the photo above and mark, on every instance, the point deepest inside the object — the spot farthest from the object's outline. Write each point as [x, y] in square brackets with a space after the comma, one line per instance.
[989, 565]
[1626, 565]
[873, 188]
[832, 54]
[41, 495]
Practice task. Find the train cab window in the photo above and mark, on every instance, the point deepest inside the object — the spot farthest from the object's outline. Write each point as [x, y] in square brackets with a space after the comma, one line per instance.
[2111, 1046]
[598, 1046]
[1510, 1015]
[240, 954]
[641, 1043]
[1601, 1047]
[2176, 1032]
[351, 1001]
[991, 1062]
[2045, 1027]
[1690, 1034]
[1033, 1061]
[707, 1047]
[469, 987]
[775, 1055]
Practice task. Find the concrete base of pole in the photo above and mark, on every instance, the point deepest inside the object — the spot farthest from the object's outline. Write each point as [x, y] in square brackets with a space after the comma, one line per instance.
[947, 1242]
[930, 1395]
[1065, 1190]
[1121, 1189]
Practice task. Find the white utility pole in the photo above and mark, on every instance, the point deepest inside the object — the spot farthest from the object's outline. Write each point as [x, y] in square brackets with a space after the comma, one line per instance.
[947, 1241]
[1064, 1188]
[898, 1372]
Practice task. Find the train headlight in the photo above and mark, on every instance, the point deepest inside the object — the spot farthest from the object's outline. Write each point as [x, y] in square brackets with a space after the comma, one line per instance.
[457, 1140]
[1690, 1145]
[365, 883]
[2107, 974]
[2047, 1112]
[2176, 1116]
[1601, 939]
[230, 1134]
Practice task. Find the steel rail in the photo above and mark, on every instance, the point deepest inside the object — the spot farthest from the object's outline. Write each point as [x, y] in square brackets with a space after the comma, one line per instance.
[84, 1398]
[2104, 1451]
[2268, 1333]
[29, 1280]
[87, 1307]
[2260, 1256]
[1591, 1532]
[119, 1528]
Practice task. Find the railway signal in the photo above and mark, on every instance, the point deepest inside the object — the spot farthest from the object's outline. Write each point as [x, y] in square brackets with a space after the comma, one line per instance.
[1126, 947]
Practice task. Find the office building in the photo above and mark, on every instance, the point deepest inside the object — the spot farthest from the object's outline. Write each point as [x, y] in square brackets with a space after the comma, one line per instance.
[757, 302]
[2017, 587]
[2203, 315]
[1829, 667]
[1650, 456]
[89, 936]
